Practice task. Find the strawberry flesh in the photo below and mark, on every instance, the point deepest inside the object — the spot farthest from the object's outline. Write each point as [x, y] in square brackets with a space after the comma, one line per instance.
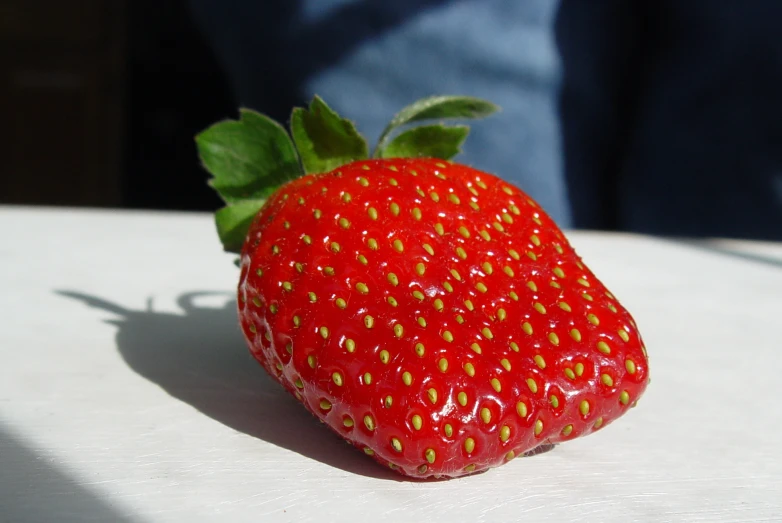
[434, 316]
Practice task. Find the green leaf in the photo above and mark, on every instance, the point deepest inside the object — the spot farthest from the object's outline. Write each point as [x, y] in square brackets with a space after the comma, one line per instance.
[233, 222]
[324, 139]
[433, 141]
[249, 158]
[437, 107]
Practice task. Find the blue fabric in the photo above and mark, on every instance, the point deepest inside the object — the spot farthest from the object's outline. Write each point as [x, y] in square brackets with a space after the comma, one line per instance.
[656, 116]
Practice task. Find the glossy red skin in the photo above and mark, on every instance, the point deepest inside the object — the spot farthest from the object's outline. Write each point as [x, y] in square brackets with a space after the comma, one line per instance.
[274, 245]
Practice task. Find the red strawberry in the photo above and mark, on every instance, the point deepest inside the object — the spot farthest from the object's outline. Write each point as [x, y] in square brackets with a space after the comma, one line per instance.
[431, 314]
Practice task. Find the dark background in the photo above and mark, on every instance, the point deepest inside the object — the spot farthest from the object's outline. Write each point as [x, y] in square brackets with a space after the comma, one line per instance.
[670, 112]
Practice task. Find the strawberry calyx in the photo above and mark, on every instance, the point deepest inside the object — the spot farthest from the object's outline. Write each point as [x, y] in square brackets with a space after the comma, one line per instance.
[250, 158]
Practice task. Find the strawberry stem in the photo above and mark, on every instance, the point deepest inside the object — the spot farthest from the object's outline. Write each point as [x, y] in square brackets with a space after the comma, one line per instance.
[250, 158]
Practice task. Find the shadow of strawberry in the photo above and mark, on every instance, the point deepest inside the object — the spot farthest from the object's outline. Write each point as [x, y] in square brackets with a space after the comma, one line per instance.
[200, 357]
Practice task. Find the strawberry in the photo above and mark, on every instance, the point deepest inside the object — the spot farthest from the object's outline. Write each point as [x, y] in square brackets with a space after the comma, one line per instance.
[431, 314]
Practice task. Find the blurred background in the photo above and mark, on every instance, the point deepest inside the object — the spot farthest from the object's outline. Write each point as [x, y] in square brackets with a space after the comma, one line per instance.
[659, 117]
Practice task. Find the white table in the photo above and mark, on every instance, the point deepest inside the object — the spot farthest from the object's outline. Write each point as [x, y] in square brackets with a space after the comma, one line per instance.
[127, 393]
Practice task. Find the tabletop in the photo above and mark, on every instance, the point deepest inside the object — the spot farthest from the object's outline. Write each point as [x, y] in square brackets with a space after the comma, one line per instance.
[127, 392]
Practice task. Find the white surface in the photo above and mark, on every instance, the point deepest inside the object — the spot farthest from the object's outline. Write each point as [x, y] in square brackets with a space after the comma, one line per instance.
[119, 404]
